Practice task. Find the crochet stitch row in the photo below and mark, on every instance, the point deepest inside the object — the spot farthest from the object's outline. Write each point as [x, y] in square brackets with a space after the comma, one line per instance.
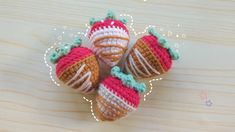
[109, 39]
[128, 80]
[164, 43]
[64, 50]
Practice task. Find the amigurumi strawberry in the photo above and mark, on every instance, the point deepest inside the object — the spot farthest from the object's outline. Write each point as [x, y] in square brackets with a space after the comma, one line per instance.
[150, 56]
[118, 95]
[76, 66]
[109, 39]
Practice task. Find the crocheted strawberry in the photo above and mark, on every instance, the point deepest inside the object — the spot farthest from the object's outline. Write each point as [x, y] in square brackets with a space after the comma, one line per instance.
[118, 95]
[109, 39]
[150, 56]
[77, 67]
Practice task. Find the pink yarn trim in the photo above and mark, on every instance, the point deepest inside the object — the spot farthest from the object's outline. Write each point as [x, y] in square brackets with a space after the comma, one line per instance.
[75, 55]
[129, 95]
[106, 23]
[161, 53]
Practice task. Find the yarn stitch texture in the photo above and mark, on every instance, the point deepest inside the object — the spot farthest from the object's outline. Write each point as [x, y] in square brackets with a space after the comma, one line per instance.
[149, 57]
[78, 68]
[109, 39]
[118, 94]
[116, 99]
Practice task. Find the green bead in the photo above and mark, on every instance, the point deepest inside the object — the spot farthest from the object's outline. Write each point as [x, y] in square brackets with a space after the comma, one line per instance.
[141, 87]
[92, 21]
[64, 50]
[115, 70]
[77, 41]
[174, 55]
[110, 15]
[151, 31]
[127, 80]
[124, 21]
[164, 43]
[73, 45]
[54, 57]
[162, 40]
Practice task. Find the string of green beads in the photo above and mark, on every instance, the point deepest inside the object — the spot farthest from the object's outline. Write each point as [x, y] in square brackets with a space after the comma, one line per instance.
[164, 43]
[64, 50]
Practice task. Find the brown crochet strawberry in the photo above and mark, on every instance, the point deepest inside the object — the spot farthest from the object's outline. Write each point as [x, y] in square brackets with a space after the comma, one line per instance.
[118, 95]
[109, 39]
[150, 56]
[77, 67]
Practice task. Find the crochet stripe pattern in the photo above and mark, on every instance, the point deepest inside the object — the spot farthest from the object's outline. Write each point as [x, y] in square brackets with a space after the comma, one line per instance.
[118, 95]
[115, 100]
[148, 58]
[79, 70]
[160, 53]
[109, 39]
[76, 54]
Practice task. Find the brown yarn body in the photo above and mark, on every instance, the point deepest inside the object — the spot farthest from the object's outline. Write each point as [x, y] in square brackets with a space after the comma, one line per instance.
[149, 56]
[115, 110]
[116, 56]
[91, 64]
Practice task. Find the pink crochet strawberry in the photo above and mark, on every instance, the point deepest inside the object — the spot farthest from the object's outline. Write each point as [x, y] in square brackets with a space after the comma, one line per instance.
[118, 95]
[150, 56]
[109, 39]
[77, 67]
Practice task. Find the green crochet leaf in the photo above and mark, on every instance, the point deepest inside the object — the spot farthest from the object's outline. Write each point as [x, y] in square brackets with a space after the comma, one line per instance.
[128, 79]
[110, 15]
[64, 50]
[123, 20]
[164, 43]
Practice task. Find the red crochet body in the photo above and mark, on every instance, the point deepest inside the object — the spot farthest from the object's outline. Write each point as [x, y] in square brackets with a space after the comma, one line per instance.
[161, 53]
[128, 94]
[108, 23]
[75, 55]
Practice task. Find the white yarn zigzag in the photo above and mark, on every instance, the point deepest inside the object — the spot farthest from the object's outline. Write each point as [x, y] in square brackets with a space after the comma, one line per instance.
[101, 31]
[86, 85]
[86, 34]
[144, 63]
[109, 31]
[111, 97]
